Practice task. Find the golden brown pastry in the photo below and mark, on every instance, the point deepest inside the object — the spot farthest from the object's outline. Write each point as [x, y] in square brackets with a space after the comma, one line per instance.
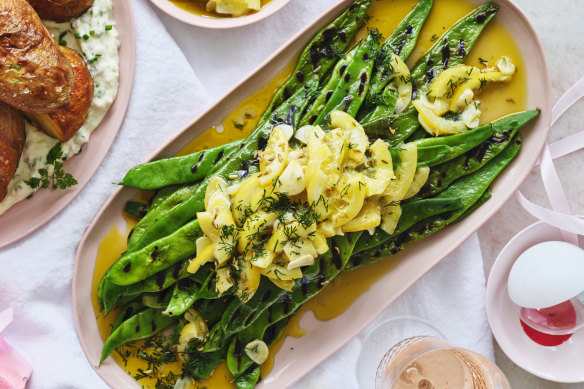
[65, 122]
[60, 10]
[35, 75]
[12, 138]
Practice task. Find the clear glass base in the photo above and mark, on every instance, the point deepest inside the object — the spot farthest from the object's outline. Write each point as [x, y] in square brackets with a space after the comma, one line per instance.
[382, 338]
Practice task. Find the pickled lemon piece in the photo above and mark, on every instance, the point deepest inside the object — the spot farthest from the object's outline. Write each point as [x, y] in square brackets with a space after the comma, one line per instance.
[319, 242]
[357, 141]
[247, 199]
[257, 351]
[248, 280]
[380, 171]
[401, 79]
[233, 7]
[278, 270]
[196, 328]
[420, 179]
[465, 92]
[369, 217]
[223, 282]
[205, 253]
[404, 174]
[335, 140]
[292, 180]
[390, 215]
[273, 158]
[284, 285]
[434, 124]
[351, 195]
[217, 187]
[446, 83]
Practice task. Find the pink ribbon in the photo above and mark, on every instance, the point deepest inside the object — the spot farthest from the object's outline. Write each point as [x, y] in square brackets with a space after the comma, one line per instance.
[560, 215]
[14, 370]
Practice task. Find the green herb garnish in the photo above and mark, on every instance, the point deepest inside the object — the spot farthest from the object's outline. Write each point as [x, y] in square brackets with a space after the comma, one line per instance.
[58, 179]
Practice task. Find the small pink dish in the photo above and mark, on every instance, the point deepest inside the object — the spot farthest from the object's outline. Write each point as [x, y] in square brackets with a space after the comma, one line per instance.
[28, 215]
[219, 22]
[562, 363]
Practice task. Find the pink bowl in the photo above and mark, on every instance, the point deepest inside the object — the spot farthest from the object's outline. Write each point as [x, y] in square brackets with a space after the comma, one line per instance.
[219, 22]
[561, 363]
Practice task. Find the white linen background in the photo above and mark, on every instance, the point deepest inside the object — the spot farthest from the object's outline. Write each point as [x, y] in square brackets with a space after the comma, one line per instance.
[36, 275]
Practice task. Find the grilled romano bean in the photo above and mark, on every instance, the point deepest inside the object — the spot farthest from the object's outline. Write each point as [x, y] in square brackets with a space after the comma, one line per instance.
[354, 83]
[140, 326]
[177, 170]
[328, 89]
[155, 226]
[503, 131]
[452, 47]
[393, 128]
[136, 266]
[322, 52]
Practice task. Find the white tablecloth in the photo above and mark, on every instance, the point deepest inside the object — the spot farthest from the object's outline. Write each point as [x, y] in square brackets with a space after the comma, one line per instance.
[36, 272]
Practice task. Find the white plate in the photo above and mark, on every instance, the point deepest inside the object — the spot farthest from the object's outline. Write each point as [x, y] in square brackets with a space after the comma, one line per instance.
[563, 363]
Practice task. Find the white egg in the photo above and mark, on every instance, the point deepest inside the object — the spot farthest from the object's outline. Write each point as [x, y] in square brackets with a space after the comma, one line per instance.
[547, 274]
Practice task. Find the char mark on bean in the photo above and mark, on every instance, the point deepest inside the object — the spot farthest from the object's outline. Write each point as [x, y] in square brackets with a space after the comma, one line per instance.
[290, 116]
[266, 296]
[219, 156]
[481, 18]
[314, 55]
[235, 314]
[176, 272]
[347, 77]
[445, 54]
[269, 335]
[363, 83]
[153, 325]
[461, 49]
[479, 152]
[137, 329]
[250, 318]
[409, 29]
[343, 36]
[312, 119]
[286, 94]
[394, 250]
[366, 57]
[403, 238]
[201, 156]
[327, 97]
[342, 69]
[160, 277]
[286, 302]
[304, 286]
[262, 143]
[154, 253]
[300, 76]
[128, 267]
[329, 34]
[194, 169]
[429, 71]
